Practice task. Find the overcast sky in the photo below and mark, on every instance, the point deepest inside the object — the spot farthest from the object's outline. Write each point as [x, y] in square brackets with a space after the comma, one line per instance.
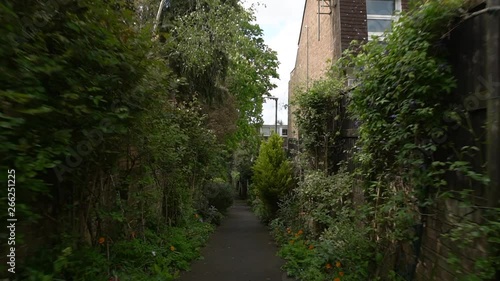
[280, 21]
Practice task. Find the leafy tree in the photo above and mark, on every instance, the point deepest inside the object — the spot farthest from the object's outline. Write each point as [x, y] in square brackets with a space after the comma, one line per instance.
[222, 59]
[319, 116]
[273, 176]
[117, 135]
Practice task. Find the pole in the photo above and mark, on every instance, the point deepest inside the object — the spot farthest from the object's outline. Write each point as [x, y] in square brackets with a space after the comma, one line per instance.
[319, 19]
[276, 117]
[307, 58]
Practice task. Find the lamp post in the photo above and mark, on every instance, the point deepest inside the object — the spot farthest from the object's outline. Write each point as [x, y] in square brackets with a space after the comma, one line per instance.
[275, 113]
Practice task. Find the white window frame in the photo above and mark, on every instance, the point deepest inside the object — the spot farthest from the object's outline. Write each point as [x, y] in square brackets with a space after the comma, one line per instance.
[395, 17]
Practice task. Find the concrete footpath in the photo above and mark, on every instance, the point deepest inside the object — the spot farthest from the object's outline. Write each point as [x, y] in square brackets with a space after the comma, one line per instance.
[241, 249]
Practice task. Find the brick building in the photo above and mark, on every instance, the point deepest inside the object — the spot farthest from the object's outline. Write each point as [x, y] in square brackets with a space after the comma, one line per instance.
[328, 27]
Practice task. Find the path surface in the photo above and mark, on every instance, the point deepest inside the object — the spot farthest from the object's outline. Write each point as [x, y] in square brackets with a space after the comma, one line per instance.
[241, 249]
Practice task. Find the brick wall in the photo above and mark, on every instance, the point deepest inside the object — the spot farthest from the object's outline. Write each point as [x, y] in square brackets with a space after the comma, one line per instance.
[347, 22]
[352, 21]
[313, 53]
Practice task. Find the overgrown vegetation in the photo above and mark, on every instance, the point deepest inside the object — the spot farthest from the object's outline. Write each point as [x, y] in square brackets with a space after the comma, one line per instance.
[366, 223]
[318, 116]
[272, 177]
[115, 133]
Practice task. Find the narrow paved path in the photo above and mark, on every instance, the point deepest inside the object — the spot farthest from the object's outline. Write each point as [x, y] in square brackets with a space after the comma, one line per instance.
[241, 249]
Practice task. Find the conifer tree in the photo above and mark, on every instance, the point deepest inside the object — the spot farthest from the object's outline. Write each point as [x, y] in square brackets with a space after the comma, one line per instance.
[273, 176]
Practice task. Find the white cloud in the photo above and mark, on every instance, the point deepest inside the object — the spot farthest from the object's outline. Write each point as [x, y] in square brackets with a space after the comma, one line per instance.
[280, 21]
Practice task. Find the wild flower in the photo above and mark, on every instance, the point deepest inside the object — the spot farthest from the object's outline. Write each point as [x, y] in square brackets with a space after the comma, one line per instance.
[172, 248]
[101, 240]
[338, 264]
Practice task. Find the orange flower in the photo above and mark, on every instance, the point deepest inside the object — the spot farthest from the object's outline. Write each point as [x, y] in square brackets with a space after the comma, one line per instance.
[101, 240]
[336, 279]
[300, 232]
[328, 266]
[341, 273]
[338, 264]
[291, 242]
[172, 248]
[311, 247]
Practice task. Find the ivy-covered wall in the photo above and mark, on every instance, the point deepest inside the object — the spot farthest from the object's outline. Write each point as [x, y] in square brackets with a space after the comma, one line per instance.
[397, 174]
[468, 46]
[121, 138]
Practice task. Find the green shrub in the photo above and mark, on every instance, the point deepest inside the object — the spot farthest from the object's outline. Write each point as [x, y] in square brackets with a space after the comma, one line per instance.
[302, 260]
[343, 250]
[321, 237]
[258, 206]
[219, 195]
[163, 254]
[273, 176]
[213, 216]
[288, 218]
[323, 198]
[159, 255]
[348, 241]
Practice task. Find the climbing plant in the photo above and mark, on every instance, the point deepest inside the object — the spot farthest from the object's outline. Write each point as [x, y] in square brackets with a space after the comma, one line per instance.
[112, 132]
[319, 115]
[404, 104]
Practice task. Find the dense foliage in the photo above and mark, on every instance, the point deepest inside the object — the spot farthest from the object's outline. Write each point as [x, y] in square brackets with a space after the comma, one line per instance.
[318, 116]
[321, 233]
[114, 136]
[410, 163]
[365, 223]
[272, 176]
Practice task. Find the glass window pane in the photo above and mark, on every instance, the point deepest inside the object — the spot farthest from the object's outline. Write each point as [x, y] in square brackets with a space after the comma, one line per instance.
[378, 25]
[380, 7]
